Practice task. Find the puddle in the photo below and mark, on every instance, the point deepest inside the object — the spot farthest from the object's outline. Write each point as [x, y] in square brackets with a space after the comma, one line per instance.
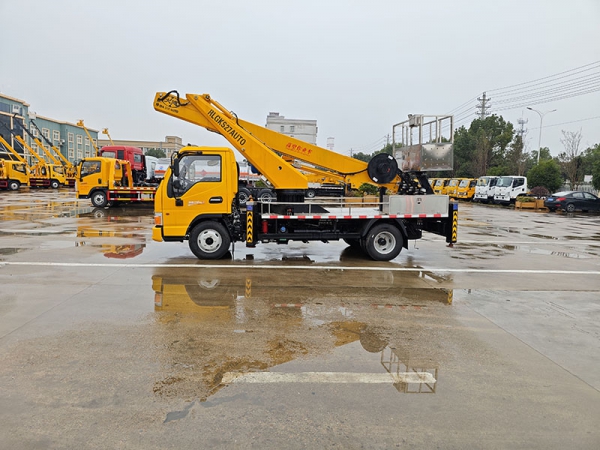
[222, 328]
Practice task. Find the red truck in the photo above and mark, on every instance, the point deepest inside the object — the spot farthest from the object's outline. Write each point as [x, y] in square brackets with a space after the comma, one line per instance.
[134, 155]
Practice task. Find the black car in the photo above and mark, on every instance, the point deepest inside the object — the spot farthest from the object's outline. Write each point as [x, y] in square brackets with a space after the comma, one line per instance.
[573, 200]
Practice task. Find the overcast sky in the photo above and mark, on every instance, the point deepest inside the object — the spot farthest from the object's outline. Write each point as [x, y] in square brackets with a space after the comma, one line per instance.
[357, 67]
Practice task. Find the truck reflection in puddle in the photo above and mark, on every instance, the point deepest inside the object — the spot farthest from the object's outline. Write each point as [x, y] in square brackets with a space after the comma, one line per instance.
[110, 242]
[220, 327]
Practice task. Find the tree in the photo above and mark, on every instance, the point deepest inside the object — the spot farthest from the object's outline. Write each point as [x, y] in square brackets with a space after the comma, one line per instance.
[590, 164]
[156, 152]
[516, 157]
[570, 160]
[546, 174]
[481, 147]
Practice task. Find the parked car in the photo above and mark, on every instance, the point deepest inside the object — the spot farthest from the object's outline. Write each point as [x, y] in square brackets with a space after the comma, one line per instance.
[572, 200]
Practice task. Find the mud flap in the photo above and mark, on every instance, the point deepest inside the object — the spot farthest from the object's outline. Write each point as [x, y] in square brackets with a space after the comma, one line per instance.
[452, 234]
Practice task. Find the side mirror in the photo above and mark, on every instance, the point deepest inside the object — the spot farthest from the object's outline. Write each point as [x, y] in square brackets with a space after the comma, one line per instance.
[175, 167]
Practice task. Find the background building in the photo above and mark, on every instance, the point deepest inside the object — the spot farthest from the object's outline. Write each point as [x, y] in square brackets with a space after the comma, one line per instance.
[305, 130]
[70, 139]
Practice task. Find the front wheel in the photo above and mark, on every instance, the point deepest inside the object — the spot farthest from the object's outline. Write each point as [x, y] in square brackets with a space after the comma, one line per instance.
[383, 243]
[209, 240]
[99, 199]
[54, 184]
[13, 185]
[311, 193]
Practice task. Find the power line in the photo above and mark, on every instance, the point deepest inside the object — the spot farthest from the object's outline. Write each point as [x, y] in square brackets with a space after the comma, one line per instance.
[595, 63]
[566, 123]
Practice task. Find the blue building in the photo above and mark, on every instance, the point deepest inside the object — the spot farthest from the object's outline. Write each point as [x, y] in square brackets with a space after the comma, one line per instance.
[71, 140]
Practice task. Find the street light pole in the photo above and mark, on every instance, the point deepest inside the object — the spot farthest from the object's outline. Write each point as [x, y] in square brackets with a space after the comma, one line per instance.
[542, 114]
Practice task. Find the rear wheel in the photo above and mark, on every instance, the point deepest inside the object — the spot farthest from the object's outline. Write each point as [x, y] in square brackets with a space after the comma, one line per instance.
[243, 195]
[311, 193]
[383, 243]
[13, 185]
[209, 240]
[266, 195]
[570, 207]
[99, 199]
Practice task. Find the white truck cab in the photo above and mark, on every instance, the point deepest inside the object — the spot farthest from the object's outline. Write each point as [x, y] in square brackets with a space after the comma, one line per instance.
[507, 189]
[485, 188]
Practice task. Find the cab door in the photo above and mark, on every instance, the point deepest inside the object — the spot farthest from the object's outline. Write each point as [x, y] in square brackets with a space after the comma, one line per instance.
[90, 176]
[198, 188]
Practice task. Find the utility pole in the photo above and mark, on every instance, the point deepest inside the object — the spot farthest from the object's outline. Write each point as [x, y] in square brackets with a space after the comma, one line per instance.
[483, 106]
[522, 130]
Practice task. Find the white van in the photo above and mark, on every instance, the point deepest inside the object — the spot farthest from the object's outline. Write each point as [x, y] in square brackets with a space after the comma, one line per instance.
[509, 188]
[484, 190]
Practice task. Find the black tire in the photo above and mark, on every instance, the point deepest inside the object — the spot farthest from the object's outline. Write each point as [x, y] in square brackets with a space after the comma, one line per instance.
[54, 184]
[384, 242]
[243, 195]
[13, 185]
[266, 196]
[99, 199]
[570, 207]
[209, 240]
[310, 193]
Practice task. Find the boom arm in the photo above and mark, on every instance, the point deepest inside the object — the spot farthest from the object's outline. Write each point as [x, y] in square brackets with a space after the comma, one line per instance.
[13, 151]
[203, 111]
[261, 147]
[62, 157]
[80, 124]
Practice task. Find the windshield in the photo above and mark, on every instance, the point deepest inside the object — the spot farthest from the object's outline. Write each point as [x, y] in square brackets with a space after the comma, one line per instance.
[108, 154]
[453, 183]
[504, 181]
[439, 183]
[483, 181]
[463, 183]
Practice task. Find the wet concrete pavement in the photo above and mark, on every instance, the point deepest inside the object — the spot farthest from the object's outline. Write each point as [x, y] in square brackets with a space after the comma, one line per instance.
[110, 340]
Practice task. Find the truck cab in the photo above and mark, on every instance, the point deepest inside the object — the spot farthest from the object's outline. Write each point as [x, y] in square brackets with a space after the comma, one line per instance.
[466, 189]
[507, 189]
[203, 187]
[441, 186]
[452, 187]
[484, 190]
[95, 176]
[13, 174]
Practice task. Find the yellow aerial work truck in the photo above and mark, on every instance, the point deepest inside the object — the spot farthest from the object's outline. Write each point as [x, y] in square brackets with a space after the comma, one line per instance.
[197, 200]
[13, 175]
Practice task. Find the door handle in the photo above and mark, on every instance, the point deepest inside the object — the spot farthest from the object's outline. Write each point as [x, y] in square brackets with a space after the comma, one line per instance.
[216, 200]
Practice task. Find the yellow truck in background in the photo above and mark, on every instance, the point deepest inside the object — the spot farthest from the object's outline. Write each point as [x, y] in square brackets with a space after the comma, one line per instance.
[108, 181]
[466, 189]
[13, 175]
[441, 186]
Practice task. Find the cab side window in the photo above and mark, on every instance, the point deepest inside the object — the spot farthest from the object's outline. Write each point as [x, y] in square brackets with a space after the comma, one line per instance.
[195, 169]
[89, 168]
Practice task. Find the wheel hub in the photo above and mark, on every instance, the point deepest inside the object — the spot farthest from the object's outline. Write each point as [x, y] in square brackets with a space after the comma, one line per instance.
[385, 243]
[209, 241]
